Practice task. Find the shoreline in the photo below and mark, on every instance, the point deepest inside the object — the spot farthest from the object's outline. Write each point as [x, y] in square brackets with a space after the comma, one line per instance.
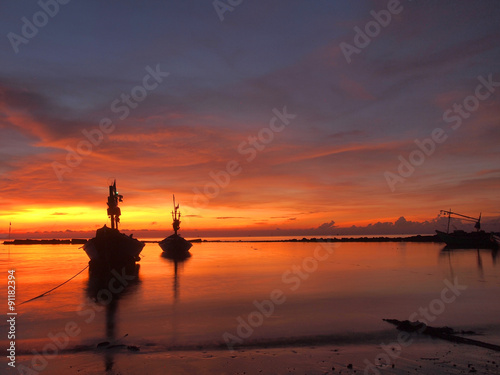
[80, 241]
[415, 238]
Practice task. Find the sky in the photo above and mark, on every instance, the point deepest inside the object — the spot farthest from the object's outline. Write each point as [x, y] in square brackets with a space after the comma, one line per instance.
[261, 117]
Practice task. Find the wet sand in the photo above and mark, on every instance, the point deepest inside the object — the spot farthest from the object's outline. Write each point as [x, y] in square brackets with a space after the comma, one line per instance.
[423, 356]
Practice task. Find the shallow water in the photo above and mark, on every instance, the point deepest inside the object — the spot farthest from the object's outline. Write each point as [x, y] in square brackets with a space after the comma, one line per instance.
[339, 290]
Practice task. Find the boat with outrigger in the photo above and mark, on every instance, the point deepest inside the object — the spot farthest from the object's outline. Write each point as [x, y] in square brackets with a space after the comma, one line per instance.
[110, 247]
[495, 237]
[174, 245]
[461, 239]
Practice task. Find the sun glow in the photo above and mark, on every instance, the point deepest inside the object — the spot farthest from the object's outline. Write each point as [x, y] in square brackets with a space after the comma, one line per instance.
[53, 218]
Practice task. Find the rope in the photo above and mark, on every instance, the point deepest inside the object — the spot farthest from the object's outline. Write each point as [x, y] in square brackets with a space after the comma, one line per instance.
[47, 292]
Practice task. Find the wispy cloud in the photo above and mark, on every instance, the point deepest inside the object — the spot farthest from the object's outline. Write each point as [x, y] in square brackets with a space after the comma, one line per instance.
[353, 120]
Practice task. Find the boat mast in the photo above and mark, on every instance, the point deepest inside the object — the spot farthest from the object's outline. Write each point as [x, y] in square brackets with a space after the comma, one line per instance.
[467, 218]
[114, 211]
[176, 217]
[10, 228]
[449, 219]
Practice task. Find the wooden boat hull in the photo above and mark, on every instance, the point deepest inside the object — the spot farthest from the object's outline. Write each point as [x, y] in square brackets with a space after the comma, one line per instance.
[175, 246]
[111, 247]
[461, 239]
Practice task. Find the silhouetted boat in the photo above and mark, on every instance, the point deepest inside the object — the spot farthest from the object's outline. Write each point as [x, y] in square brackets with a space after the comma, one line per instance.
[461, 239]
[174, 245]
[109, 246]
[496, 239]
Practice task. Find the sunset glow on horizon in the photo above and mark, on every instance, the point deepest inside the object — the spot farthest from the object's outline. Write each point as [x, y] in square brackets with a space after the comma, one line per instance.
[256, 122]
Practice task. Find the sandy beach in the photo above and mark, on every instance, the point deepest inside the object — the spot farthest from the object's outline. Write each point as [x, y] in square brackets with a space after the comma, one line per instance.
[424, 356]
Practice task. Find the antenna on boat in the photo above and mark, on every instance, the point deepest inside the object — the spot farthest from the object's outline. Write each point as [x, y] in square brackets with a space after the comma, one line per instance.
[449, 219]
[176, 217]
[114, 211]
[463, 217]
[477, 226]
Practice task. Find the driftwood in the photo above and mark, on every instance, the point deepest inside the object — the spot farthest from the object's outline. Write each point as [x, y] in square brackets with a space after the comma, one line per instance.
[444, 333]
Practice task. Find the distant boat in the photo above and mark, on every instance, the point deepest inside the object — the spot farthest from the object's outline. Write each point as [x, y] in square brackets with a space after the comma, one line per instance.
[109, 246]
[174, 245]
[461, 239]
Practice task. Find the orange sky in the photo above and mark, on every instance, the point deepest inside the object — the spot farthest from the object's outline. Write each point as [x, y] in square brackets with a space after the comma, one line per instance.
[263, 131]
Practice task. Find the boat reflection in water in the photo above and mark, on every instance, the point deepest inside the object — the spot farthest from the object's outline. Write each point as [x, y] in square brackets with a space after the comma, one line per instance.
[106, 289]
[468, 256]
[178, 263]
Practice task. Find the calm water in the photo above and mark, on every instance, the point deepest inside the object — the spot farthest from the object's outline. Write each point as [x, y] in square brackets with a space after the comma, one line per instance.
[343, 290]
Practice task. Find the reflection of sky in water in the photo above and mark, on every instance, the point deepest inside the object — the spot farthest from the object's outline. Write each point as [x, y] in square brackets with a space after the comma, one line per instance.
[352, 290]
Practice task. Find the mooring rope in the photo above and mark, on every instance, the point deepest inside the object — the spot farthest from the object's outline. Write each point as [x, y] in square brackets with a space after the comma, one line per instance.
[47, 292]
